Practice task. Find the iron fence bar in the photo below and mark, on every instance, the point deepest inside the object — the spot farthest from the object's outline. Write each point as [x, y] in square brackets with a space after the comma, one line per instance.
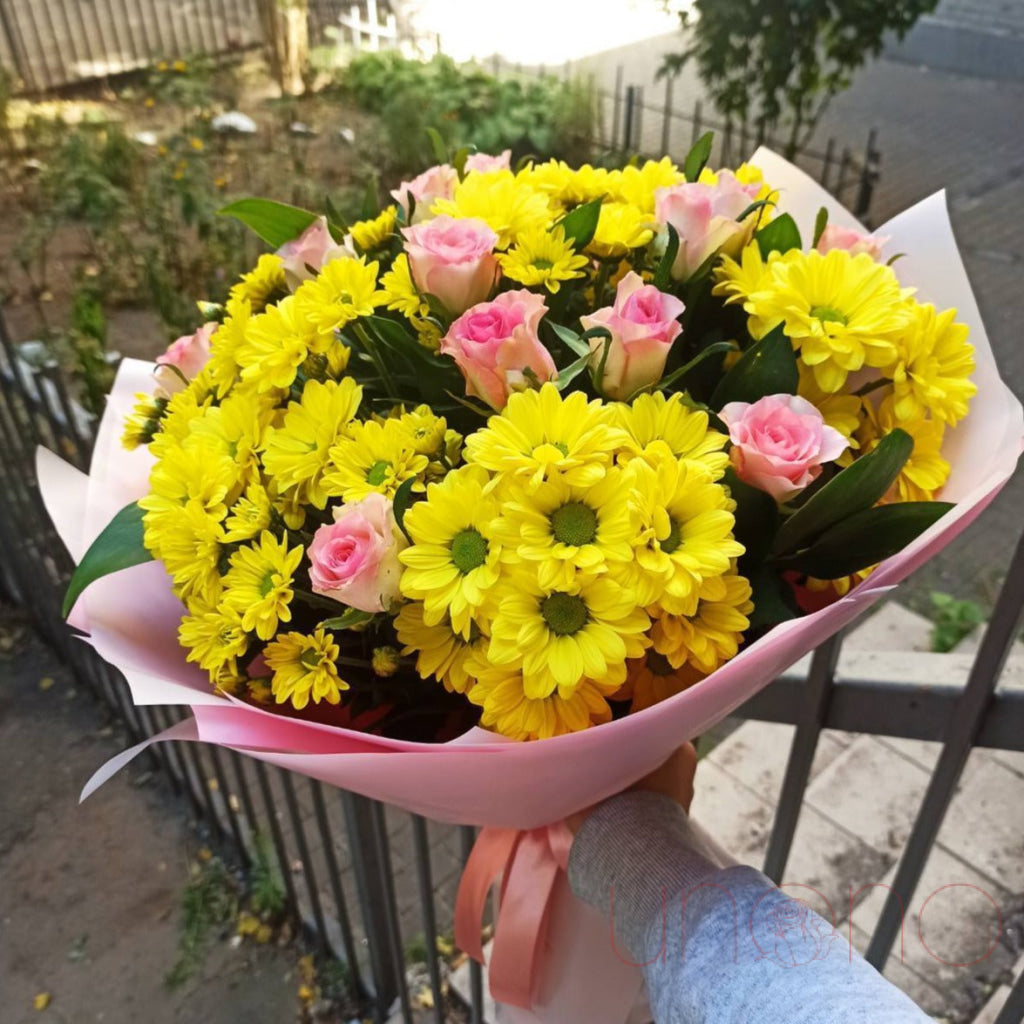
[116, 33]
[964, 727]
[1013, 1009]
[101, 35]
[222, 785]
[421, 850]
[177, 769]
[39, 47]
[308, 874]
[467, 837]
[371, 887]
[801, 756]
[85, 37]
[54, 40]
[616, 108]
[869, 173]
[248, 806]
[391, 908]
[277, 836]
[334, 879]
[137, 55]
[666, 120]
[16, 46]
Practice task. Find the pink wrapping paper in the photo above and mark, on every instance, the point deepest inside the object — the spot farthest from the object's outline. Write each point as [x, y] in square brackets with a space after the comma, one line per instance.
[481, 779]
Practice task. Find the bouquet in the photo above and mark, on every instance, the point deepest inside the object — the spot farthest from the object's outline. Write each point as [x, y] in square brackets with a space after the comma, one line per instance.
[577, 457]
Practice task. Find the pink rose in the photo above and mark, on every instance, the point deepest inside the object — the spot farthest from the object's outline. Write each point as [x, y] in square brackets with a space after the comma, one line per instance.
[188, 355]
[434, 183]
[484, 162]
[355, 558]
[453, 259]
[643, 323]
[705, 218]
[314, 248]
[836, 237]
[495, 342]
[779, 443]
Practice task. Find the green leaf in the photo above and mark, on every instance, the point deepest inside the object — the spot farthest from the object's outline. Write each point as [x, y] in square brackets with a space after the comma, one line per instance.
[335, 219]
[438, 145]
[698, 156]
[773, 598]
[758, 204]
[779, 235]
[866, 538]
[401, 502]
[572, 371]
[756, 517]
[459, 162]
[663, 275]
[118, 547]
[820, 222]
[351, 618]
[768, 368]
[580, 224]
[275, 223]
[854, 490]
[718, 348]
[570, 338]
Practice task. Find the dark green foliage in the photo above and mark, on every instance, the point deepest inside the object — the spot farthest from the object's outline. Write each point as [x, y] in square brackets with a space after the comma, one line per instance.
[776, 63]
[469, 107]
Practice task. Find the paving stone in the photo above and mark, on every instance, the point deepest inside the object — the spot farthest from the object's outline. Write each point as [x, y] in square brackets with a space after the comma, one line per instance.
[734, 814]
[932, 1000]
[985, 823]
[891, 628]
[872, 792]
[960, 924]
[757, 752]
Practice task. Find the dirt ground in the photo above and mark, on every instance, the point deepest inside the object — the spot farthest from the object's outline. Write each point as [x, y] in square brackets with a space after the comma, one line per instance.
[90, 894]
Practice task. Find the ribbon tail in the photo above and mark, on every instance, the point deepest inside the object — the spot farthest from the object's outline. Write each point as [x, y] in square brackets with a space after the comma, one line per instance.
[492, 852]
[520, 938]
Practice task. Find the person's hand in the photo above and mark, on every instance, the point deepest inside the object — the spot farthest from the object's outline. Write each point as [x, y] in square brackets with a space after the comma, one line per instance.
[674, 778]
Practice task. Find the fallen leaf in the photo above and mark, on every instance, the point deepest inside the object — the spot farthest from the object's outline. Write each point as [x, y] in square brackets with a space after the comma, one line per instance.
[42, 1000]
[45, 683]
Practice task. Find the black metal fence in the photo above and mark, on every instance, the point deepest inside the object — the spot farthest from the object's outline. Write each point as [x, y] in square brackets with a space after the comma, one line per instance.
[628, 123]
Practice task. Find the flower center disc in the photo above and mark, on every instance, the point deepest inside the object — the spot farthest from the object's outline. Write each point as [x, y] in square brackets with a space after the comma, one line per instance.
[574, 523]
[826, 313]
[469, 550]
[674, 538]
[565, 614]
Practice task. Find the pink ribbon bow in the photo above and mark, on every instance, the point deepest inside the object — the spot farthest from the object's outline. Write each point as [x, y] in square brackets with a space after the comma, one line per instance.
[528, 864]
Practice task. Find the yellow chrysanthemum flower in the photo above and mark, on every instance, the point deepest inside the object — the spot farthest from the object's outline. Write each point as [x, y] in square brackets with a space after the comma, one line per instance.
[713, 634]
[224, 368]
[651, 679]
[934, 368]
[190, 540]
[372, 458]
[657, 420]
[264, 283]
[370, 234]
[185, 475]
[440, 651]
[304, 667]
[683, 526]
[276, 343]
[636, 185]
[842, 412]
[843, 312]
[143, 422]
[558, 637]
[399, 292]
[297, 453]
[259, 584]
[540, 434]
[621, 227]
[453, 562]
[250, 515]
[510, 712]
[542, 257]
[235, 429]
[213, 636]
[925, 472]
[509, 207]
[344, 290]
[565, 531]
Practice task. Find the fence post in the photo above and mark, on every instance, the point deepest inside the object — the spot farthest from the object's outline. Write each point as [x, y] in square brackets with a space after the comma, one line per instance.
[868, 176]
[617, 109]
[372, 866]
[628, 116]
[696, 123]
